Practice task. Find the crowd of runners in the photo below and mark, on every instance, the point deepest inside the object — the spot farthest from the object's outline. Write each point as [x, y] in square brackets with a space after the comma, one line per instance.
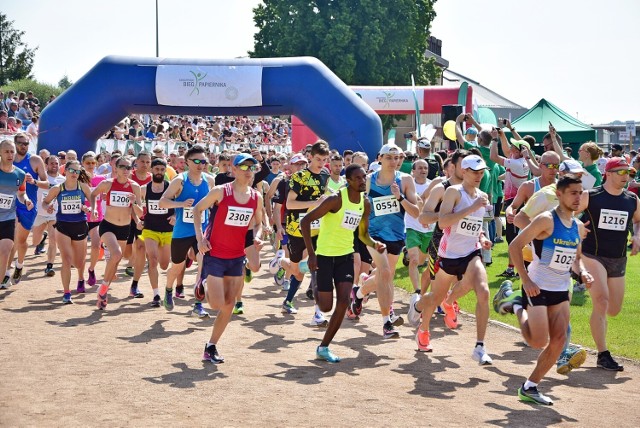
[344, 221]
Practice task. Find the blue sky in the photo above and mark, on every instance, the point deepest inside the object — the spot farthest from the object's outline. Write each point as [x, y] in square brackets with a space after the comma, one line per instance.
[576, 54]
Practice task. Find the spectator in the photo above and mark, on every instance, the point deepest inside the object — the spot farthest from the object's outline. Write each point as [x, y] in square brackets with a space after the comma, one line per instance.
[13, 109]
[32, 129]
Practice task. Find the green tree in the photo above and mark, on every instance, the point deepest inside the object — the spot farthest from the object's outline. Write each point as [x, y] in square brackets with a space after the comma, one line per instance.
[65, 83]
[16, 59]
[364, 42]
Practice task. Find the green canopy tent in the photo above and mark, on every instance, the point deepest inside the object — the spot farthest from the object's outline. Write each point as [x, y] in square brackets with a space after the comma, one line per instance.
[535, 122]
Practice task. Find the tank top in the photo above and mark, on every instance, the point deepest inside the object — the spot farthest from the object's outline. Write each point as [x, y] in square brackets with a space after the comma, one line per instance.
[333, 187]
[386, 220]
[32, 189]
[118, 195]
[70, 204]
[9, 185]
[412, 222]
[536, 184]
[42, 193]
[100, 203]
[611, 221]
[437, 232]
[184, 227]
[228, 228]
[156, 218]
[336, 229]
[462, 238]
[554, 256]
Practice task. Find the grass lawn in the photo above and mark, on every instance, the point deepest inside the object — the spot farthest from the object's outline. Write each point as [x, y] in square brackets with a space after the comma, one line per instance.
[623, 335]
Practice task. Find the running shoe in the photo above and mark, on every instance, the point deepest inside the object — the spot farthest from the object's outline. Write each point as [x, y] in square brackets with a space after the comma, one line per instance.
[278, 277]
[350, 315]
[17, 276]
[456, 306]
[498, 240]
[509, 273]
[505, 304]
[323, 353]
[238, 309]
[199, 311]
[156, 302]
[319, 320]
[356, 303]
[480, 355]
[450, 316]
[303, 266]
[506, 288]
[5, 283]
[92, 278]
[180, 292]
[389, 331]
[532, 395]
[309, 293]
[288, 308]
[286, 285]
[396, 320]
[66, 299]
[211, 355]
[571, 358]
[248, 274]
[80, 288]
[198, 290]
[423, 341]
[129, 271]
[40, 247]
[48, 271]
[135, 293]
[606, 361]
[102, 301]
[413, 316]
[274, 264]
[168, 300]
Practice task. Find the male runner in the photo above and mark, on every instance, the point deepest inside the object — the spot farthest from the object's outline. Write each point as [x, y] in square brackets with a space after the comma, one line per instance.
[142, 176]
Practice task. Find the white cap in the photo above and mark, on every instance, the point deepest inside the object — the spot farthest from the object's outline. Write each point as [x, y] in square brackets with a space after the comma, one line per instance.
[572, 166]
[390, 148]
[474, 162]
[375, 166]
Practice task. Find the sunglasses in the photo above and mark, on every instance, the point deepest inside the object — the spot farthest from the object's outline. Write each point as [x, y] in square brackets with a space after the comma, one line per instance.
[245, 167]
[90, 162]
[199, 161]
[22, 143]
[621, 172]
[73, 171]
[552, 165]
[127, 167]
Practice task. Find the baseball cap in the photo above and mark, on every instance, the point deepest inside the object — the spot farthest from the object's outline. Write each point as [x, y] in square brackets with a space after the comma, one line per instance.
[616, 147]
[375, 167]
[241, 157]
[471, 130]
[572, 166]
[616, 163]
[424, 143]
[520, 143]
[390, 148]
[474, 162]
[298, 158]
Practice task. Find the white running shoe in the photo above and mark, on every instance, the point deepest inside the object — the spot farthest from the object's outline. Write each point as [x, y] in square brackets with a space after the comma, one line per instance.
[413, 316]
[274, 264]
[480, 355]
[319, 320]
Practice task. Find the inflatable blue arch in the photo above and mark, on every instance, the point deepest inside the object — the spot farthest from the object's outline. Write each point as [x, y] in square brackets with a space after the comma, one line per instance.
[117, 86]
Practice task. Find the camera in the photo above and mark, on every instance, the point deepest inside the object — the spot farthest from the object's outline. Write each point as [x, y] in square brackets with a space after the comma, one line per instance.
[408, 135]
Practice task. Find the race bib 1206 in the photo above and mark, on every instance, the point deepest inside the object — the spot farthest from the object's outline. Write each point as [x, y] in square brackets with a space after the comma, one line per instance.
[119, 199]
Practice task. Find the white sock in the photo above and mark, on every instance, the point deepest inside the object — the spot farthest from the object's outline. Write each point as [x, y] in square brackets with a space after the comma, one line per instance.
[359, 293]
[516, 308]
[156, 292]
[18, 265]
[528, 384]
[209, 344]
[317, 309]
[385, 319]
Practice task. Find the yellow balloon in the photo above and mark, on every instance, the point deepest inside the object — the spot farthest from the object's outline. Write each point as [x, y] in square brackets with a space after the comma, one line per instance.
[449, 129]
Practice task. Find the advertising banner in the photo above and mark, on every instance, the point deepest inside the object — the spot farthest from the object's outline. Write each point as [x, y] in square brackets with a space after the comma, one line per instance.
[390, 99]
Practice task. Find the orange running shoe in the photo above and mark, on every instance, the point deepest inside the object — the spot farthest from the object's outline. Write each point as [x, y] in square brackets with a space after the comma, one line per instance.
[422, 339]
[450, 316]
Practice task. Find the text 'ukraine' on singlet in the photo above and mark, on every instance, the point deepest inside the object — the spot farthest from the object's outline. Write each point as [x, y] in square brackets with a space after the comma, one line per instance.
[463, 238]
[10, 182]
[118, 195]
[554, 256]
[386, 220]
[336, 229]
[611, 220]
[32, 189]
[228, 228]
[184, 227]
[437, 232]
[70, 204]
[156, 218]
[308, 186]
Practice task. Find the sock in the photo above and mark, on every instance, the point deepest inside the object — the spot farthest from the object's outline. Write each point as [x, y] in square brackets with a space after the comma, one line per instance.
[516, 308]
[134, 284]
[209, 344]
[317, 309]
[18, 265]
[156, 292]
[294, 284]
[385, 319]
[528, 384]
[168, 290]
[479, 343]
[359, 293]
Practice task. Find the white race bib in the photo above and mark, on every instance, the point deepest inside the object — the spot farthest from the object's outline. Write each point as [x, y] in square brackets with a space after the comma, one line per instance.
[562, 258]
[238, 216]
[613, 220]
[187, 215]
[6, 201]
[470, 226]
[351, 219]
[153, 207]
[119, 199]
[71, 206]
[384, 205]
[315, 225]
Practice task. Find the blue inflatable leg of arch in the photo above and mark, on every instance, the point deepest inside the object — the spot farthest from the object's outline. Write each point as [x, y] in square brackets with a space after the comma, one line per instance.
[118, 86]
